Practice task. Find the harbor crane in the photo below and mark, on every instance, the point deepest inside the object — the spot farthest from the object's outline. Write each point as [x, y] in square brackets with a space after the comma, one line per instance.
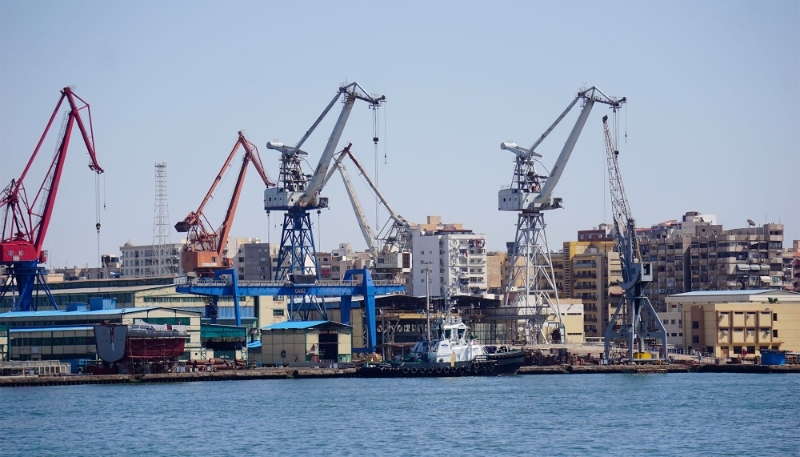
[530, 194]
[26, 217]
[298, 193]
[204, 251]
[635, 319]
[393, 258]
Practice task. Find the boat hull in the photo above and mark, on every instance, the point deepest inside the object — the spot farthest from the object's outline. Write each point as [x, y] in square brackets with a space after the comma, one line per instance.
[491, 366]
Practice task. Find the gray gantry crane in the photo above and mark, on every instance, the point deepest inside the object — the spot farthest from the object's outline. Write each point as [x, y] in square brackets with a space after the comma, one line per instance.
[635, 320]
[530, 194]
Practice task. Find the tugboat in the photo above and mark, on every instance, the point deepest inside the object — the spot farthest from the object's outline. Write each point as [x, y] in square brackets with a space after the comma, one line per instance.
[455, 353]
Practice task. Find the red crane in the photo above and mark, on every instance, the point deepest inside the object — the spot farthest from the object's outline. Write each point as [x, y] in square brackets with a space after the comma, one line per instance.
[27, 217]
[203, 252]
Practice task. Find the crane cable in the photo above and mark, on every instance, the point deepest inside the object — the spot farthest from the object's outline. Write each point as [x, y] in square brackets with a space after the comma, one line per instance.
[97, 219]
[375, 139]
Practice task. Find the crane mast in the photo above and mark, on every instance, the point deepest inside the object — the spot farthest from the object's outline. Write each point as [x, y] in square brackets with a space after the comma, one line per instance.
[635, 320]
[297, 193]
[25, 221]
[530, 194]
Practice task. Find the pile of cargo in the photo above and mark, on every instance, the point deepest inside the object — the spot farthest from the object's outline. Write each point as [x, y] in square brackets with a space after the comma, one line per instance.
[215, 364]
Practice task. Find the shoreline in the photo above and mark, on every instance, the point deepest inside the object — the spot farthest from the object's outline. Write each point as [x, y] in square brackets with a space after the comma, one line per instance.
[318, 373]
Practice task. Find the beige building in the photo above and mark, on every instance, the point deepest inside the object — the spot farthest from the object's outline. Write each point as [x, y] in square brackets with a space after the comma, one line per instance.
[724, 323]
[306, 342]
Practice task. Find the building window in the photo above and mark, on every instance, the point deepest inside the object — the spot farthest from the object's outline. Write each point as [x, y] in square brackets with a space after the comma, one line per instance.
[774, 333]
[774, 316]
[695, 339]
[277, 313]
[695, 324]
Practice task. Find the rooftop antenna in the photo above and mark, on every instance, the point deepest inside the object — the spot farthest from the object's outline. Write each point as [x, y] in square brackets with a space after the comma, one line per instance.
[751, 222]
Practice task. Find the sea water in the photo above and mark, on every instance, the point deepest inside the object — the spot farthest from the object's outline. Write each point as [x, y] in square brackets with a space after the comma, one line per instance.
[590, 414]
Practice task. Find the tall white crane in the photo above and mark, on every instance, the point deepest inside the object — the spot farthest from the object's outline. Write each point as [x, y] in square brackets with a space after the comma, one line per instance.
[530, 194]
[635, 320]
[297, 193]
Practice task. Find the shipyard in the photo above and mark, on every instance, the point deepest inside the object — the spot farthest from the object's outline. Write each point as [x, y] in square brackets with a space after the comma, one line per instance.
[354, 228]
[204, 305]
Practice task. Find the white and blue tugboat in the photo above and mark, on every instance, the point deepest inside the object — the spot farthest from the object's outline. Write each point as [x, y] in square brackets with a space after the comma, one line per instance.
[455, 353]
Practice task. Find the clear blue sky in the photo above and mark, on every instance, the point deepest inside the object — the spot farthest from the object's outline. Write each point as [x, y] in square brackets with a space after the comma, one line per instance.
[712, 120]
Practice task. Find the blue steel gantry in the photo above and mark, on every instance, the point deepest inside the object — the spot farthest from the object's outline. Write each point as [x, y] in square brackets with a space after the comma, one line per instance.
[345, 289]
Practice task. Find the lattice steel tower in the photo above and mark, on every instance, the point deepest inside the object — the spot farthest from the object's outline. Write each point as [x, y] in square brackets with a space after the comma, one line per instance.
[162, 244]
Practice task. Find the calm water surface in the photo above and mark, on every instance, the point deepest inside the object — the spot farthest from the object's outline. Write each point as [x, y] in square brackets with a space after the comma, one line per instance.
[614, 414]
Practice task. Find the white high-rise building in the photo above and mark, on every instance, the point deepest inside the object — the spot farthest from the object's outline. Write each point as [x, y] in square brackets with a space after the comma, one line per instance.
[456, 258]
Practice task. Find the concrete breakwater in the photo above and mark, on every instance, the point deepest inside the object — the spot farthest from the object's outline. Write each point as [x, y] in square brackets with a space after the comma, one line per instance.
[300, 373]
[228, 375]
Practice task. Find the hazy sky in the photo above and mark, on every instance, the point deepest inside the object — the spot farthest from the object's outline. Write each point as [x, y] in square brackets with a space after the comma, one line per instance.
[712, 121]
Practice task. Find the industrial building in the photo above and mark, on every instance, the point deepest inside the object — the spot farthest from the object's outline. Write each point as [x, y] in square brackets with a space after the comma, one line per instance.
[725, 323]
[306, 342]
[69, 335]
[4, 343]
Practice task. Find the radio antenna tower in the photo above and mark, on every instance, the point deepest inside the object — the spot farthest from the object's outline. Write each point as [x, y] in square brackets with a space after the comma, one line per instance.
[162, 244]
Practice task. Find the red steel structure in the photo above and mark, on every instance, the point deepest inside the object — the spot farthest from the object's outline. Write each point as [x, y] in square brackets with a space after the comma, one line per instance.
[27, 217]
[203, 252]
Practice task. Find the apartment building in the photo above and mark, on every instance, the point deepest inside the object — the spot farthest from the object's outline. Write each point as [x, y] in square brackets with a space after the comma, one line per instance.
[256, 261]
[791, 267]
[697, 254]
[141, 261]
[456, 258]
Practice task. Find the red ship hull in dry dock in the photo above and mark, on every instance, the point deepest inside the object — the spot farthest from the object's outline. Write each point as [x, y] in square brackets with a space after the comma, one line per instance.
[139, 342]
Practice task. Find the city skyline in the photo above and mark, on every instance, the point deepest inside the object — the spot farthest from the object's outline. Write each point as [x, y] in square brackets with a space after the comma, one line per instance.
[710, 126]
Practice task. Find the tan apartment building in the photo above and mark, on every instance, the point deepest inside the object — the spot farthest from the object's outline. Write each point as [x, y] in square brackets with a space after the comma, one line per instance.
[726, 323]
[697, 254]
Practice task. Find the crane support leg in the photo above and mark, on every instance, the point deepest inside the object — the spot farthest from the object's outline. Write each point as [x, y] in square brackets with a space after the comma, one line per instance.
[297, 263]
[26, 275]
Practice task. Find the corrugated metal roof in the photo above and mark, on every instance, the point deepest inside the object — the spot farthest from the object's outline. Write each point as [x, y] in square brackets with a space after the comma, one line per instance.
[99, 312]
[50, 329]
[298, 325]
[254, 344]
[708, 293]
[60, 313]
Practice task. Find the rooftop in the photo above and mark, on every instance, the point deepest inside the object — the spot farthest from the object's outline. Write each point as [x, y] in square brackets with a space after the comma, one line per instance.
[298, 325]
[90, 313]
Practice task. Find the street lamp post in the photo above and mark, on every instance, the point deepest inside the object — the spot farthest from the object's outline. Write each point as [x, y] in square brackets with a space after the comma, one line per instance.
[428, 298]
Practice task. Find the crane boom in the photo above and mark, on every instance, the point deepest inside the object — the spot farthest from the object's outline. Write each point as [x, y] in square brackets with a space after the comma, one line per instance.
[529, 194]
[362, 219]
[397, 218]
[351, 93]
